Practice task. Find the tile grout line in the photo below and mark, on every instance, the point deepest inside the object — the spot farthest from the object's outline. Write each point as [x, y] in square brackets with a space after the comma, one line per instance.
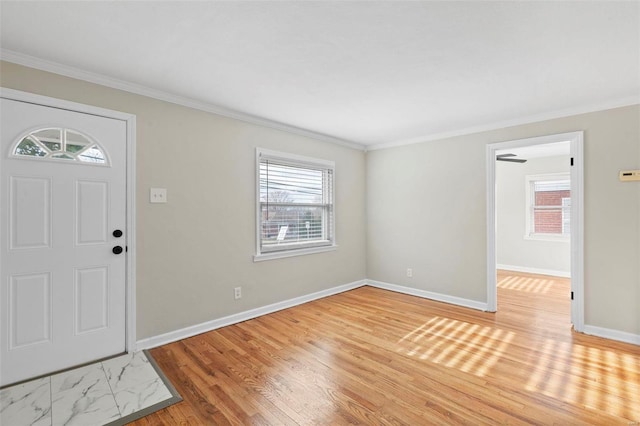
[113, 395]
[50, 401]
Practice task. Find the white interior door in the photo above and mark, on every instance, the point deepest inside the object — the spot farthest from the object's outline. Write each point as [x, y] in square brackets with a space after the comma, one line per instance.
[62, 201]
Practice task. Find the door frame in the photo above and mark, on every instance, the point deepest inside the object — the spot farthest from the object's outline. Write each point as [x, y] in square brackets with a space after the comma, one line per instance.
[576, 140]
[130, 253]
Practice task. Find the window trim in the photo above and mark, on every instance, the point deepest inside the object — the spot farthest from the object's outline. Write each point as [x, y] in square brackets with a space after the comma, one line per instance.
[313, 247]
[529, 233]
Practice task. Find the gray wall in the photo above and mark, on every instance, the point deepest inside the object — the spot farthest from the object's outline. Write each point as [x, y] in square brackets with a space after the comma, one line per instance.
[426, 208]
[193, 250]
[512, 248]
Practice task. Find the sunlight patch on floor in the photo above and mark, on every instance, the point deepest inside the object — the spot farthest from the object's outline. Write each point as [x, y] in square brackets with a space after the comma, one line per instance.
[526, 284]
[470, 348]
[562, 366]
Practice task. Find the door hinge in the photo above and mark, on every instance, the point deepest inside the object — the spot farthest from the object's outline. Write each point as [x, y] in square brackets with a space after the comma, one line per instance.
[571, 295]
[126, 248]
[572, 161]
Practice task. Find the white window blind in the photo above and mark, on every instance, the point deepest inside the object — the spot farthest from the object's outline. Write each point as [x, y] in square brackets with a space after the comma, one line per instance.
[552, 185]
[295, 206]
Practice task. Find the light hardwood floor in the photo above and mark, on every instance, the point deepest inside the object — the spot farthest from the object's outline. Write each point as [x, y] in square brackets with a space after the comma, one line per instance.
[371, 356]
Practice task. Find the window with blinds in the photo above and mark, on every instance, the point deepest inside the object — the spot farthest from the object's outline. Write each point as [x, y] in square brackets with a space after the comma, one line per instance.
[549, 205]
[295, 203]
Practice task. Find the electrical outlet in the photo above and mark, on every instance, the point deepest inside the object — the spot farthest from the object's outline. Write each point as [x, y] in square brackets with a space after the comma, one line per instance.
[410, 272]
[237, 293]
[158, 195]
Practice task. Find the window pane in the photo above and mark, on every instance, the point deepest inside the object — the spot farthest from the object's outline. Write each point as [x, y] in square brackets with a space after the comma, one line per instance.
[77, 138]
[63, 156]
[288, 224]
[92, 155]
[51, 138]
[551, 206]
[49, 135]
[547, 221]
[551, 198]
[52, 146]
[286, 184]
[29, 148]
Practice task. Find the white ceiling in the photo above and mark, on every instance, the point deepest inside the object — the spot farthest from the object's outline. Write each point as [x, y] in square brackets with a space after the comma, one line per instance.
[373, 73]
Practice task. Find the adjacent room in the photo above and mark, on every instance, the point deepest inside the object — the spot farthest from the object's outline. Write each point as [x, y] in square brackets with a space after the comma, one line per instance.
[319, 212]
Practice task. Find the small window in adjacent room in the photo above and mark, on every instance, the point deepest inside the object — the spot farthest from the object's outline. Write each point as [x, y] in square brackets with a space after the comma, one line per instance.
[548, 206]
[295, 211]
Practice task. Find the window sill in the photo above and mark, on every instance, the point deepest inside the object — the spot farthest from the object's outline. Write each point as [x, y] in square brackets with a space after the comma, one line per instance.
[548, 237]
[291, 253]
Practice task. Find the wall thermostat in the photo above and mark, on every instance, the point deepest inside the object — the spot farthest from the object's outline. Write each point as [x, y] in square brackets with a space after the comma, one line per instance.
[629, 175]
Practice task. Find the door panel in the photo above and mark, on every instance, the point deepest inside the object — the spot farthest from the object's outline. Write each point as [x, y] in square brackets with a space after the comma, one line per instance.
[30, 207]
[91, 299]
[92, 211]
[63, 192]
[29, 309]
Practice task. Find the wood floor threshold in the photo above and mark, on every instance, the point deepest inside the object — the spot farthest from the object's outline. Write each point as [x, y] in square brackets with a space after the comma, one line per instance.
[375, 357]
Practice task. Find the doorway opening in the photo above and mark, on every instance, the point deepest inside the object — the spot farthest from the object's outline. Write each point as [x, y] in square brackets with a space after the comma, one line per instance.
[548, 220]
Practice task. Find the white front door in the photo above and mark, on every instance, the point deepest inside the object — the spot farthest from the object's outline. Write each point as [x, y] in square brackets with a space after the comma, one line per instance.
[62, 219]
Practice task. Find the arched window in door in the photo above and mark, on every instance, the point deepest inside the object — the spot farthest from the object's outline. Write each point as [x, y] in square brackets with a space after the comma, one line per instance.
[60, 144]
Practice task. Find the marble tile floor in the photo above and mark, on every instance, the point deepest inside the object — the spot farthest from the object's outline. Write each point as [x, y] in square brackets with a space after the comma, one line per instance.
[114, 391]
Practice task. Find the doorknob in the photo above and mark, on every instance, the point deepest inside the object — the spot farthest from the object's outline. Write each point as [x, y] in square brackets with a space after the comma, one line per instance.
[117, 250]
[117, 233]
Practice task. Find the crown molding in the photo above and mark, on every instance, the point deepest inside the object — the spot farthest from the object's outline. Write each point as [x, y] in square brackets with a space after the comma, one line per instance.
[91, 77]
[114, 83]
[601, 106]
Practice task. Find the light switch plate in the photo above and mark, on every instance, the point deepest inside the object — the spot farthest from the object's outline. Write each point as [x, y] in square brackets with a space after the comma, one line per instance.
[158, 195]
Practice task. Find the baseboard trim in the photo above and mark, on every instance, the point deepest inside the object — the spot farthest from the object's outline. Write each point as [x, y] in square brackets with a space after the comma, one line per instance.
[173, 336]
[608, 333]
[186, 332]
[552, 272]
[453, 300]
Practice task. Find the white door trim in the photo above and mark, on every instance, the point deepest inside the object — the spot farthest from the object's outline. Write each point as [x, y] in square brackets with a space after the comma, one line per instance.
[130, 254]
[576, 140]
